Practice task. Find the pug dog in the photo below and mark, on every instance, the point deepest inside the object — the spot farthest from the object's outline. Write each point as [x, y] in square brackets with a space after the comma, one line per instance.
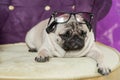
[65, 36]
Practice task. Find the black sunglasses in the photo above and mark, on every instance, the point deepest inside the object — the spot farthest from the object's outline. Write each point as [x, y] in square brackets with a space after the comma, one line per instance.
[64, 17]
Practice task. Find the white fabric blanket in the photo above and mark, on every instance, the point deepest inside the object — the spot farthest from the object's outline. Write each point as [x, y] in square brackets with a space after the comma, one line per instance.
[17, 63]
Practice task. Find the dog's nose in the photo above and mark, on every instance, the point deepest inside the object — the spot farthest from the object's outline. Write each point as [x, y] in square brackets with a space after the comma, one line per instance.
[77, 42]
[75, 37]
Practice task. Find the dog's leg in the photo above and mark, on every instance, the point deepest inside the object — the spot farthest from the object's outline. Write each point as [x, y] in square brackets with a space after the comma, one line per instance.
[29, 43]
[44, 51]
[95, 53]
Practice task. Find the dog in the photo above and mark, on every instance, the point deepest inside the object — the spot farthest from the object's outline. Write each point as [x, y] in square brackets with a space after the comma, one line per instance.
[66, 38]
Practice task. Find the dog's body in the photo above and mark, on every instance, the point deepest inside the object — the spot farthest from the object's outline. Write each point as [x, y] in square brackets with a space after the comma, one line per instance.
[54, 44]
[37, 38]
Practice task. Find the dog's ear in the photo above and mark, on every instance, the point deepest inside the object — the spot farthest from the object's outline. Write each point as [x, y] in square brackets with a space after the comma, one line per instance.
[51, 27]
[88, 25]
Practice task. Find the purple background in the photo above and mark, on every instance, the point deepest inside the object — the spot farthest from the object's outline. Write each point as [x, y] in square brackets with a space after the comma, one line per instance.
[108, 29]
[15, 23]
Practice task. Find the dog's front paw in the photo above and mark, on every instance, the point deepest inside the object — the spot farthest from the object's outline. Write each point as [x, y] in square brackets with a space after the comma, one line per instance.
[42, 56]
[104, 70]
[42, 59]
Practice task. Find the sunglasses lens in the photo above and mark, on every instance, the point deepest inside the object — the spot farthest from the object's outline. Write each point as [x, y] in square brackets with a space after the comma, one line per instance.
[80, 17]
[62, 17]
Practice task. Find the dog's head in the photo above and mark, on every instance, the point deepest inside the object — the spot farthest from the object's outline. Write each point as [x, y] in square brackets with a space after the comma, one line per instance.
[72, 34]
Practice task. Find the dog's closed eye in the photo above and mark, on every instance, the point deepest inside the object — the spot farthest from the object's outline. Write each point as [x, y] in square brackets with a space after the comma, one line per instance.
[66, 35]
[83, 33]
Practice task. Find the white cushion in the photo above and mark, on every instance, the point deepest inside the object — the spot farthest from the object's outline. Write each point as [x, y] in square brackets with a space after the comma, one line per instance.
[17, 63]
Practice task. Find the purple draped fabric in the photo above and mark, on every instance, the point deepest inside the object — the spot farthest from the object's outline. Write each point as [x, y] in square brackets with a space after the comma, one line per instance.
[108, 29]
[18, 16]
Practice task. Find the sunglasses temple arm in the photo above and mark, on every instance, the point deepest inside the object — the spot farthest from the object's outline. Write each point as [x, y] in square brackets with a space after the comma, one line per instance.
[51, 27]
[50, 19]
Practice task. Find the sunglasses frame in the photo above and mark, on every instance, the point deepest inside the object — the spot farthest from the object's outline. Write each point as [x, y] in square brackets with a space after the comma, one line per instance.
[72, 13]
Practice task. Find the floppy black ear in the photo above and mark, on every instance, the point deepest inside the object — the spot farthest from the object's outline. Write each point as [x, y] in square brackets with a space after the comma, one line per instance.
[88, 25]
[51, 27]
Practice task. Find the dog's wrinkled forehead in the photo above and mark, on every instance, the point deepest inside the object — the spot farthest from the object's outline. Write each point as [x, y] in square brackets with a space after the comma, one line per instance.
[74, 26]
